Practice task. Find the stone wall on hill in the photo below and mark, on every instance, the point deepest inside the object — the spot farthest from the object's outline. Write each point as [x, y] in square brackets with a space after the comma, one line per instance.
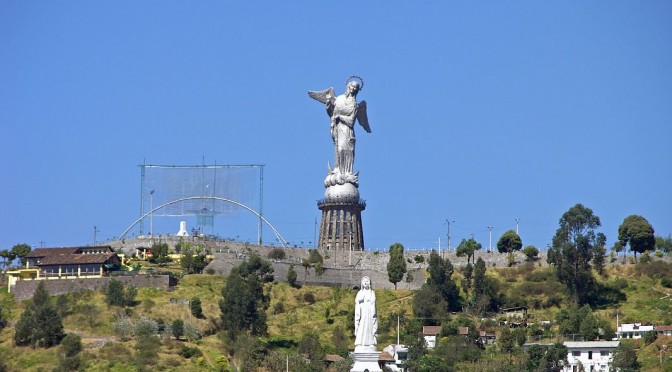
[24, 289]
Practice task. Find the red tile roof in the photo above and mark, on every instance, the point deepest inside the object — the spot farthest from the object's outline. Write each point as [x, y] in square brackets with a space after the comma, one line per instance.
[462, 331]
[663, 328]
[74, 259]
[385, 357]
[431, 330]
[44, 252]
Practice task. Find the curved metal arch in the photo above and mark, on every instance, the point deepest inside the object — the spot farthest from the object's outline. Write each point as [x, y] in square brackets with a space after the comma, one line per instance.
[277, 234]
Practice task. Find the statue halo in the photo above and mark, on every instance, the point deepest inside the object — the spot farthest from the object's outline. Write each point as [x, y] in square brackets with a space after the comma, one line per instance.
[356, 78]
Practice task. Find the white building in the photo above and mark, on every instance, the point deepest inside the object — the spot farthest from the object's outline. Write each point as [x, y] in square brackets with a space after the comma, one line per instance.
[394, 357]
[632, 330]
[594, 356]
[431, 333]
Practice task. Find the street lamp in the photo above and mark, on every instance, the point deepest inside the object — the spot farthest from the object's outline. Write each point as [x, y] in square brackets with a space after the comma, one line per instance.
[151, 215]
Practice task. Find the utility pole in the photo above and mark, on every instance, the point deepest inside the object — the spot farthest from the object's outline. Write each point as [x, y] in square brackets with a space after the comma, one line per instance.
[151, 215]
[448, 221]
[517, 221]
[490, 244]
[95, 231]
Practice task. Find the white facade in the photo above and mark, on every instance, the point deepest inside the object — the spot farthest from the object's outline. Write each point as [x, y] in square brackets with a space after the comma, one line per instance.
[632, 330]
[594, 356]
[399, 353]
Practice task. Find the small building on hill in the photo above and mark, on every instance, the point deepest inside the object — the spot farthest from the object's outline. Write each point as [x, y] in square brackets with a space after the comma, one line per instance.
[663, 330]
[632, 330]
[66, 263]
[589, 355]
[431, 334]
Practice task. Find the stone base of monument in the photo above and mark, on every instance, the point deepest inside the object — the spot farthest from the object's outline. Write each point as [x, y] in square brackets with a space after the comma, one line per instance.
[365, 359]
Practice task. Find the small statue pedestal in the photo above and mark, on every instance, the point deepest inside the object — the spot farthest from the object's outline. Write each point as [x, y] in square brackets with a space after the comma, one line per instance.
[365, 359]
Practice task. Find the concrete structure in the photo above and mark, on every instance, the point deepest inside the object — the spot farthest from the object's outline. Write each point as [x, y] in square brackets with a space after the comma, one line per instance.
[593, 356]
[632, 330]
[183, 229]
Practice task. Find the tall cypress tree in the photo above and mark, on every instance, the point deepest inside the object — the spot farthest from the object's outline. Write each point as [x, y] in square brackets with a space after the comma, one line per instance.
[396, 267]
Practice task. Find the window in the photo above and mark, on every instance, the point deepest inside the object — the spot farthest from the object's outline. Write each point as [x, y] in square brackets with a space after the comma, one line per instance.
[590, 355]
[604, 353]
[576, 353]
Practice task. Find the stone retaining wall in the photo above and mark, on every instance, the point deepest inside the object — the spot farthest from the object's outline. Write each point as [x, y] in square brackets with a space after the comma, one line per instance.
[24, 289]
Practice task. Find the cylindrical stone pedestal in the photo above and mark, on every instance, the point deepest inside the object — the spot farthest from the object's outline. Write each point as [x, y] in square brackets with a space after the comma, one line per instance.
[341, 225]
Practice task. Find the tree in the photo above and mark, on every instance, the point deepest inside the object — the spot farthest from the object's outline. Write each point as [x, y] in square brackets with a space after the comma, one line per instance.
[292, 276]
[555, 358]
[467, 248]
[68, 360]
[309, 345]
[531, 253]
[638, 233]
[574, 246]
[160, 253]
[114, 294]
[484, 293]
[589, 328]
[535, 356]
[178, 328]
[506, 341]
[7, 257]
[3, 320]
[244, 299]
[396, 267]
[196, 308]
[509, 242]
[20, 251]
[618, 247]
[39, 325]
[440, 278]
[466, 282]
[625, 358]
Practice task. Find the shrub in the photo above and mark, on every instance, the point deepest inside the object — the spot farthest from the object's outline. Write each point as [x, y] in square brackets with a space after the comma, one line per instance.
[659, 253]
[146, 327]
[277, 254]
[210, 271]
[309, 297]
[666, 282]
[419, 259]
[123, 327]
[196, 308]
[278, 308]
[191, 333]
[178, 328]
[189, 352]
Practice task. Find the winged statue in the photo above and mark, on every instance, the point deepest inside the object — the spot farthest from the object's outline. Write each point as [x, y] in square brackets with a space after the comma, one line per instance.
[343, 111]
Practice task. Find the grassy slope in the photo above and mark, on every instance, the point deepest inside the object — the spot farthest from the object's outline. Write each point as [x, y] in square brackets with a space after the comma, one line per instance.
[297, 316]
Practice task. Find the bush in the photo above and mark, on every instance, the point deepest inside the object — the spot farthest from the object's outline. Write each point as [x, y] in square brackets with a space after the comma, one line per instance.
[123, 327]
[178, 328]
[191, 333]
[146, 327]
[196, 308]
[189, 352]
[309, 297]
[277, 254]
[666, 282]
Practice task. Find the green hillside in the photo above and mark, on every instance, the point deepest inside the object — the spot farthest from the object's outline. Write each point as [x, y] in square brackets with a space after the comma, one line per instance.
[328, 313]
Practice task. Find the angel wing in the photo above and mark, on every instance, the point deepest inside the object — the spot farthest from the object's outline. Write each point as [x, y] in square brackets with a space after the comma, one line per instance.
[362, 118]
[323, 96]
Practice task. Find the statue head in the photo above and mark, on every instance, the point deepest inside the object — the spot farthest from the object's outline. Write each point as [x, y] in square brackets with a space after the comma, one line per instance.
[366, 283]
[353, 85]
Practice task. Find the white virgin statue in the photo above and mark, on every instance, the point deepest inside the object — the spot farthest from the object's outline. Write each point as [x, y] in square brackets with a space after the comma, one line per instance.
[366, 320]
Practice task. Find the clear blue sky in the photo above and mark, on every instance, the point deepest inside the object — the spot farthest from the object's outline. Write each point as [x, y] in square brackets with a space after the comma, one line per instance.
[482, 112]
